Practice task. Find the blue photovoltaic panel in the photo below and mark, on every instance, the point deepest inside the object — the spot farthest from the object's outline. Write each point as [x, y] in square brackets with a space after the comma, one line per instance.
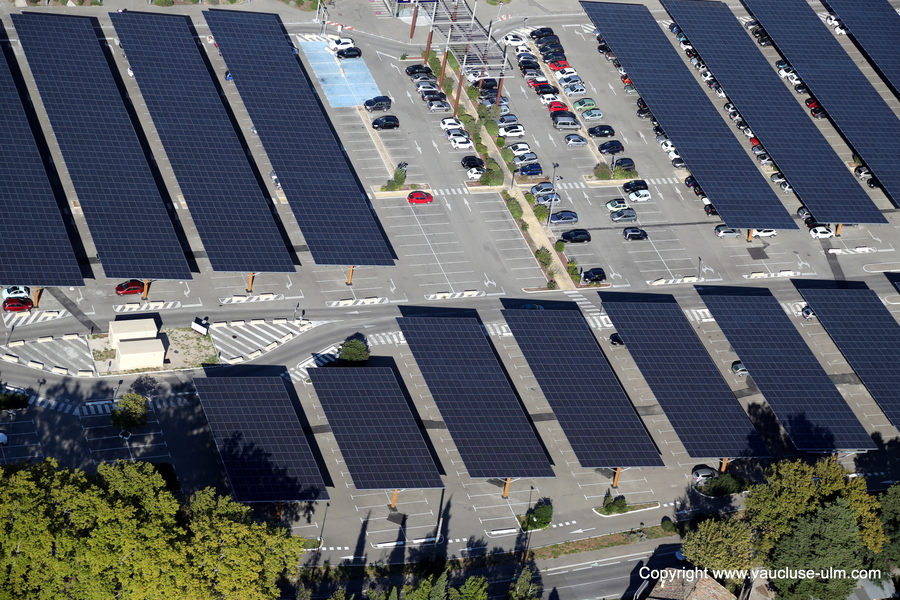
[470, 388]
[582, 389]
[129, 224]
[35, 249]
[817, 174]
[260, 440]
[730, 178]
[855, 108]
[875, 25]
[867, 334]
[374, 428]
[812, 411]
[328, 201]
[232, 216]
[687, 384]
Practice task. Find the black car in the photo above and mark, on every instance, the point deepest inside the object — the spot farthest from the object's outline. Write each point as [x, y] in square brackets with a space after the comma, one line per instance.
[678, 162]
[764, 40]
[626, 164]
[486, 84]
[416, 69]
[873, 183]
[710, 210]
[601, 131]
[576, 236]
[691, 53]
[434, 97]
[644, 113]
[540, 32]
[562, 114]
[553, 57]
[595, 275]
[611, 147]
[758, 32]
[386, 122]
[698, 191]
[529, 64]
[470, 162]
[640, 103]
[601, 48]
[547, 39]
[378, 103]
[634, 186]
[657, 130]
[616, 340]
[349, 53]
[818, 112]
[634, 233]
[801, 88]
[690, 181]
[545, 88]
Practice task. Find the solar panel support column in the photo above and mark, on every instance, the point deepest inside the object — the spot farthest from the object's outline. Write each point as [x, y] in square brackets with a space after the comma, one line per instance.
[506, 488]
[146, 289]
[443, 59]
[394, 500]
[412, 26]
[750, 235]
[250, 282]
[37, 296]
[459, 86]
[616, 478]
[724, 465]
[350, 276]
[837, 230]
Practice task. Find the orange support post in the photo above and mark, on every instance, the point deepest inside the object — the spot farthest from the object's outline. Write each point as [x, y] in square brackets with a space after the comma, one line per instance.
[459, 90]
[250, 283]
[146, 289]
[724, 465]
[750, 235]
[506, 488]
[616, 477]
[37, 296]
[350, 276]
[394, 500]
[837, 230]
[412, 27]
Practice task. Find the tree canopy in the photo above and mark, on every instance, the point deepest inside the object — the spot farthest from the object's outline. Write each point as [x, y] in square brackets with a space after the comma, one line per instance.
[130, 412]
[121, 534]
[726, 544]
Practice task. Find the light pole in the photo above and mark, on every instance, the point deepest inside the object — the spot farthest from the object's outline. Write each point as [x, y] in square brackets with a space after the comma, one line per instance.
[553, 183]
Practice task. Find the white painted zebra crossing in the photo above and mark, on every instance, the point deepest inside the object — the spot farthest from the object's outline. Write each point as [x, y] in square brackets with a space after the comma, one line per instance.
[298, 373]
[381, 339]
[243, 340]
[571, 185]
[447, 192]
[35, 316]
[140, 306]
[662, 180]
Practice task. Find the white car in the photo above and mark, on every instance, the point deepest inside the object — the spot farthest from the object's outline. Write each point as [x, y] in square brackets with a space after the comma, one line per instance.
[764, 233]
[523, 49]
[785, 72]
[832, 20]
[520, 148]
[514, 40]
[341, 43]
[567, 72]
[639, 196]
[576, 89]
[475, 173]
[720, 92]
[667, 146]
[673, 154]
[794, 78]
[821, 232]
[451, 123]
[16, 291]
[548, 98]
[705, 75]
[749, 133]
[839, 29]
[512, 131]
[459, 142]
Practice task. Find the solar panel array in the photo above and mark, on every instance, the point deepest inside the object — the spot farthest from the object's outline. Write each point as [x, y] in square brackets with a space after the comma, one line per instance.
[867, 334]
[855, 108]
[812, 411]
[582, 389]
[328, 201]
[39, 253]
[131, 230]
[470, 388]
[875, 25]
[687, 384]
[232, 216]
[260, 440]
[730, 178]
[816, 173]
[374, 428]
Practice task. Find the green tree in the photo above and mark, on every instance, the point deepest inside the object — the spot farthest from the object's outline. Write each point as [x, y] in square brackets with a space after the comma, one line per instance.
[354, 350]
[890, 517]
[422, 591]
[439, 589]
[541, 213]
[726, 544]
[523, 588]
[130, 412]
[475, 588]
[825, 539]
[794, 489]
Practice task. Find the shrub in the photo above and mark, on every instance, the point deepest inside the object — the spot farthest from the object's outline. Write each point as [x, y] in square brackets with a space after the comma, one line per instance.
[541, 213]
[543, 257]
[614, 506]
[601, 171]
[172, 2]
[551, 284]
[130, 412]
[560, 246]
[486, 113]
[507, 155]
[433, 62]
[480, 148]
[572, 269]
[724, 485]
[529, 198]
[524, 226]
[354, 351]
[500, 141]
[404, 56]
[449, 86]
[515, 209]
[472, 93]
[466, 118]
[492, 128]
[624, 174]
[667, 525]
[13, 401]
[540, 516]
[493, 176]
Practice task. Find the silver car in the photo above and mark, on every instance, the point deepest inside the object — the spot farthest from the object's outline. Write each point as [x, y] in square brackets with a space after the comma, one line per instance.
[529, 158]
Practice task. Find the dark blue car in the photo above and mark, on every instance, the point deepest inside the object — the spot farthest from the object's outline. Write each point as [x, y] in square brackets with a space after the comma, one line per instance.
[534, 170]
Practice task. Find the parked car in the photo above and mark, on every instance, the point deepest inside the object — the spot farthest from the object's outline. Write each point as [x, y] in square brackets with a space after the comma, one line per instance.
[592, 114]
[601, 131]
[584, 104]
[533, 170]
[512, 131]
[616, 204]
[529, 158]
[639, 196]
[616, 340]
[507, 120]
[551, 199]
[564, 217]
[469, 162]
[451, 123]
[132, 286]
[595, 275]
[475, 173]
[17, 304]
[626, 164]
[459, 142]
[437, 106]
[341, 43]
[632, 234]
[635, 185]
[611, 147]
[418, 197]
[626, 215]
[574, 140]
[349, 53]
[808, 313]
[704, 475]
[576, 89]
[764, 233]
[513, 40]
[520, 148]
[576, 236]
[540, 32]
[821, 232]
[20, 291]
[382, 103]
[724, 231]
[416, 69]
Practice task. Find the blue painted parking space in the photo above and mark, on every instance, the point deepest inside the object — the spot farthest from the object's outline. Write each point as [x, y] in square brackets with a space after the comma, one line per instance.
[345, 83]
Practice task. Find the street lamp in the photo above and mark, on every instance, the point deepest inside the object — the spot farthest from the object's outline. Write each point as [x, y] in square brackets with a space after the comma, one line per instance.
[553, 183]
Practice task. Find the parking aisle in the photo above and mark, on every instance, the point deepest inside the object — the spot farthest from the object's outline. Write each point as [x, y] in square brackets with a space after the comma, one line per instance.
[23, 443]
[107, 443]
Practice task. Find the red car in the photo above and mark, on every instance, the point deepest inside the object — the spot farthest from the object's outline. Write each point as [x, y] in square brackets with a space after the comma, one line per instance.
[557, 106]
[536, 81]
[626, 80]
[132, 286]
[812, 103]
[559, 65]
[420, 198]
[17, 304]
[755, 142]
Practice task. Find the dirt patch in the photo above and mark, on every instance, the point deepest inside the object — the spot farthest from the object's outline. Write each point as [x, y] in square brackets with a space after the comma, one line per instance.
[185, 349]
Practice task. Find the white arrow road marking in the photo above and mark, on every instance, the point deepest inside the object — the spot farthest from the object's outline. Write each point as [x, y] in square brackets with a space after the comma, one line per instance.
[466, 202]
